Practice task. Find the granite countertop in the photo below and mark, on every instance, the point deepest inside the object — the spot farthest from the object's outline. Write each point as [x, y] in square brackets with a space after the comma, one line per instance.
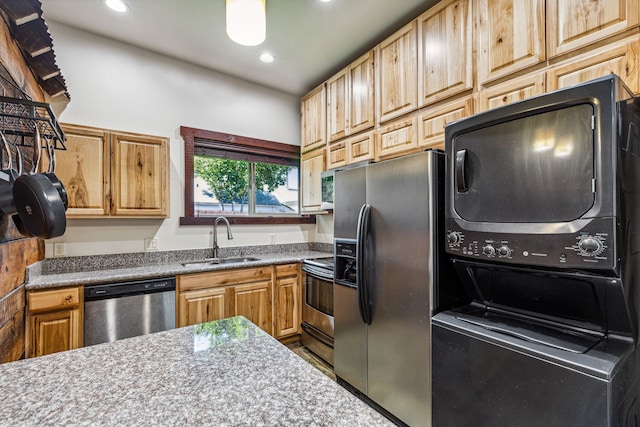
[224, 373]
[101, 269]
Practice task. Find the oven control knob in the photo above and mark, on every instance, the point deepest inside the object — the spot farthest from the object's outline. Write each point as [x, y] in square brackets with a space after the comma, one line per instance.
[504, 251]
[489, 250]
[590, 245]
[453, 238]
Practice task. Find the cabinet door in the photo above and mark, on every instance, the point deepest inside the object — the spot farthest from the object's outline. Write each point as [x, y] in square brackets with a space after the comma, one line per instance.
[431, 123]
[445, 29]
[253, 301]
[361, 93]
[398, 138]
[288, 295]
[511, 91]
[619, 58]
[397, 79]
[54, 332]
[311, 166]
[201, 306]
[572, 24]
[84, 170]
[511, 36]
[337, 155]
[361, 147]
[139, 175]
[337, 106]
[313, 109]
[54, 321]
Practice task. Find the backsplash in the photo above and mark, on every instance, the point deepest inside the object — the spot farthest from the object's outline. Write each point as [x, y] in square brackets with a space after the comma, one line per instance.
[103, 262]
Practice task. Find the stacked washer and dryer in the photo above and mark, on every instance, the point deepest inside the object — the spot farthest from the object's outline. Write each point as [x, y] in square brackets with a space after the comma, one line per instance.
[542, 215]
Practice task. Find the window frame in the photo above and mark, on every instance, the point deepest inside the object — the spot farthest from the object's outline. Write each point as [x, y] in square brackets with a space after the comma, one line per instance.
[220, 141]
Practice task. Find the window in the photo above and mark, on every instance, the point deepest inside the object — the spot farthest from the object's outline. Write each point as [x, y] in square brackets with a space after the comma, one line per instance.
[247, 180]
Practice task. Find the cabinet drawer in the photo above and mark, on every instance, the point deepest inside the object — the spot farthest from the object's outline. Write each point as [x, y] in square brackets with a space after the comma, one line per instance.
[223, 278]
[286, 270]
[58, 299]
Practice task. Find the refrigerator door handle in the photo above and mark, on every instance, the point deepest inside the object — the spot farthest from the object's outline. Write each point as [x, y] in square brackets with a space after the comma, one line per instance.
[364, 305]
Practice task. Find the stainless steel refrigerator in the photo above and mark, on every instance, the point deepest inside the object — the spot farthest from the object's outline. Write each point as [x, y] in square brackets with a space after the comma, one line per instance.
[386, 246]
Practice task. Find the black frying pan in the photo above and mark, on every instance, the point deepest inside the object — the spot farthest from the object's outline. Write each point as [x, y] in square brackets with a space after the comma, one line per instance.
[52, 168]
[8, 176]
[40, 211]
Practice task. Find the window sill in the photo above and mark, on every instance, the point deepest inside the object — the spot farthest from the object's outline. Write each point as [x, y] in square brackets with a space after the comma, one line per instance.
[208, 220]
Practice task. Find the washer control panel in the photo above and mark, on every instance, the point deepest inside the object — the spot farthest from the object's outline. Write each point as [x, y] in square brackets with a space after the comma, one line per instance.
[592, 247]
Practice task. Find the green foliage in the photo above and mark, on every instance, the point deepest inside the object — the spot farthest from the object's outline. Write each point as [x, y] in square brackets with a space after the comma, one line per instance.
[229, 179]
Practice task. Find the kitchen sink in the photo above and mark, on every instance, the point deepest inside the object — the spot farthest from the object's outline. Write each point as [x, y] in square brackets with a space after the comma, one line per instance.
[213, 261]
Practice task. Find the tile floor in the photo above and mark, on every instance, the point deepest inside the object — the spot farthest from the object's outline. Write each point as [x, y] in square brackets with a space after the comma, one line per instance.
[311, 358]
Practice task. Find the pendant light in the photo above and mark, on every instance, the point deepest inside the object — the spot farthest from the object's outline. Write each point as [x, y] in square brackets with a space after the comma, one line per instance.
[246, 21]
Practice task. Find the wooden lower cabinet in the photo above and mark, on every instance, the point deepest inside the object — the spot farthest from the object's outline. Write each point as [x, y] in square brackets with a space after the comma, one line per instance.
[268, 296]
[254, 301]
[287, 300]
[54, 321]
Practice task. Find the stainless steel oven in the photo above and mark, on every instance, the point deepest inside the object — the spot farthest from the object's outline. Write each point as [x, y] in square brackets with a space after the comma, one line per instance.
[317, 310]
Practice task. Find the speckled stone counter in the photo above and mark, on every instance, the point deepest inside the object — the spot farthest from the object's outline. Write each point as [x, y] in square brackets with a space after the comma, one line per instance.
[111, 269]
[223, 373]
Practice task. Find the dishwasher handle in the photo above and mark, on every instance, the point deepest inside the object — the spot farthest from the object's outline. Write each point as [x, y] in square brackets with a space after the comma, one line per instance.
[117, 290]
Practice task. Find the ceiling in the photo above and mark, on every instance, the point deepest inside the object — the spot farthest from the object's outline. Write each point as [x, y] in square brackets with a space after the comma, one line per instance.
[309, 39]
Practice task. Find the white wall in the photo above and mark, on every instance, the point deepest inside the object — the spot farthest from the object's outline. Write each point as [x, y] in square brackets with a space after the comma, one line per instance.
[117, 86]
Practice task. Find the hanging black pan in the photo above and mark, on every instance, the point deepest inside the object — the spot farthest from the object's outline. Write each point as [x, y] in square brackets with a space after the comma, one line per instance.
[51, 171]
[39, 207]
[8, 176]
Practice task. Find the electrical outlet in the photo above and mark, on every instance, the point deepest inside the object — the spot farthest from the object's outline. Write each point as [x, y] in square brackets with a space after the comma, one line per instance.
[151, 244]
[273, 238]
[59, 249]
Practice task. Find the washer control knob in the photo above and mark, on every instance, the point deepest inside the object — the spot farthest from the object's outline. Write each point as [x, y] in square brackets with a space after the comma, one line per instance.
[453, 238]
[489, 250]
[504, 251]
[590, 245]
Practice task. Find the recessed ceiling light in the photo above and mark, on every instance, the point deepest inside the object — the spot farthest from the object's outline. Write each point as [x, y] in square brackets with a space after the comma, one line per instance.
[325, 1]
[266, 57]
[117, 5]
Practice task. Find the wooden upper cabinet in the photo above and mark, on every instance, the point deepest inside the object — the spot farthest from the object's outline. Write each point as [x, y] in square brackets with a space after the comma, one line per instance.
[513, 90]
[139, 175]
[621, 58]
[445, 51]
[431, 123]
[397, 74]
[361, 84]
[337, 106]
[313, 119]
[350, 99]
[111, 173]
[397, 139]
[511, 37]
[572, 24]
[312, 165]
[84, 168]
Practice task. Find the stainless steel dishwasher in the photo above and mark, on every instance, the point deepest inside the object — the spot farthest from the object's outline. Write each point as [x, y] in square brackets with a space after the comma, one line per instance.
[122, 310]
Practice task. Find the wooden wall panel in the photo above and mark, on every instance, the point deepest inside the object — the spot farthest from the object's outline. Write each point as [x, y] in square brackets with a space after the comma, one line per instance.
[16, 252]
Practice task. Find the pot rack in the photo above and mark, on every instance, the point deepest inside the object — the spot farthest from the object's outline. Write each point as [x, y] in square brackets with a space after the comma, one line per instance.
[19, 117]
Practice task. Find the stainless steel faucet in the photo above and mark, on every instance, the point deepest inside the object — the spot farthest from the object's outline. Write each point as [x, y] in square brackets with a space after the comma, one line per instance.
[215, 233]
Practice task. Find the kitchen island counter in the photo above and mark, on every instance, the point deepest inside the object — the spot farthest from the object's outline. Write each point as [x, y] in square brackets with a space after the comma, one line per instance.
[227, 372]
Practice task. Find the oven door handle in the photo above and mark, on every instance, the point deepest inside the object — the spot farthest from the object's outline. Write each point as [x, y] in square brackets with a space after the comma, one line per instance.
[364, 305]
[461, 166]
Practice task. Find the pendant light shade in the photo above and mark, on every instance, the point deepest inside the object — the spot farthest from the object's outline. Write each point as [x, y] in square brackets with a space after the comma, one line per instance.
[246, 21]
